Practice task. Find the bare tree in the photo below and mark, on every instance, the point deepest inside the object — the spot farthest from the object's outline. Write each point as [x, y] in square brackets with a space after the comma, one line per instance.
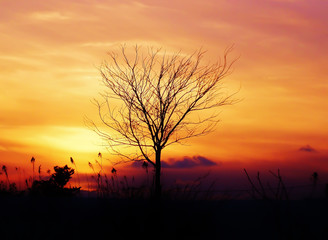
[160, 95]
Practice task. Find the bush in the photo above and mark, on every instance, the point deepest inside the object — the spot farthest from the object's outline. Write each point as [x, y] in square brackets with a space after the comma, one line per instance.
[55, 186]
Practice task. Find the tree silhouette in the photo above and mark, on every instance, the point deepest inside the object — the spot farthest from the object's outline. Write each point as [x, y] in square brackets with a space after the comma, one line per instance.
[161, 96]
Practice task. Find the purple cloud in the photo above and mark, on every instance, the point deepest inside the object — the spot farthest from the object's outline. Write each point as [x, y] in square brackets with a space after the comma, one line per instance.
[186, 162]
[307, 148]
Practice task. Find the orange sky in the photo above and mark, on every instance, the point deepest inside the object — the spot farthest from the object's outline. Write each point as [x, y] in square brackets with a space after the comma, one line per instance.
[50, 51]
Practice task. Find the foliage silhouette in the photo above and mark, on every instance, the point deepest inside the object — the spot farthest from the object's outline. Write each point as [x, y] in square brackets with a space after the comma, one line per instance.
[56, 183]
[8, 189]
[61, 176]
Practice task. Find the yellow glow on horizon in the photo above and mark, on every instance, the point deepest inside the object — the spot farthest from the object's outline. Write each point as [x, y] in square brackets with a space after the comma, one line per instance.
[57, 138]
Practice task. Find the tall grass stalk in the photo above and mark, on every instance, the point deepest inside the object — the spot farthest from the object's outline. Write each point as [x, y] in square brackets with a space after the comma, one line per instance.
[77, 173]
[4, 169]
[33, 162]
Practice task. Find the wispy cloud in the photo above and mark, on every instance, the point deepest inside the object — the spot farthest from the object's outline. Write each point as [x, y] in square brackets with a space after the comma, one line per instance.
[49, 16]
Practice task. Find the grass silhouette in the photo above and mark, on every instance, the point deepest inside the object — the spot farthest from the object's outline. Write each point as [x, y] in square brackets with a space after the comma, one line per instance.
[123, 207]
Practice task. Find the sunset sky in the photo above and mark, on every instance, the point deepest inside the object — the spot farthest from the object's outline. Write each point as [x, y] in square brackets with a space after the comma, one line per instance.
[50, 52]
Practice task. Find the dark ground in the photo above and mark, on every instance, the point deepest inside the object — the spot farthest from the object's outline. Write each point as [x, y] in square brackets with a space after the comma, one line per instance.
[27, 217]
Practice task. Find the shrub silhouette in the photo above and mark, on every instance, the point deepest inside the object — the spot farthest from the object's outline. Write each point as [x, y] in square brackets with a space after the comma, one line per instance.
[61, 176]
[56, 183]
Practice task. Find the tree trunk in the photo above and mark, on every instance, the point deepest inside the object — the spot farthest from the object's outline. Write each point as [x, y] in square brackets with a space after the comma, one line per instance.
[158, 187]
